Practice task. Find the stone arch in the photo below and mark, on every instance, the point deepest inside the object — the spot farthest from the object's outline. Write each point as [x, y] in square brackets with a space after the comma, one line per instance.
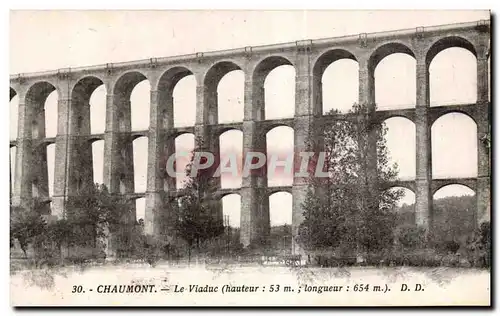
[405, 184]
[124, 85]
[454, 208]
[452, 68]
[405, 206]
[179, 133]
[385, 50]
[210, 83]
[36, 98]
[321, 64]
[259, 75]
[266, 65]
[41, 169]
[166, 99]
[272, 190]
[268, 127]
[385, 76]
[122, 93]
[223, 129]
[407, 188]
[80, 97]
[464, 188]
[83, 88]
[452, 111]
[448, 42]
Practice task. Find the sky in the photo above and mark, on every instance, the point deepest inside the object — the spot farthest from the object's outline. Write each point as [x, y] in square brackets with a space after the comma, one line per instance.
[46, 40]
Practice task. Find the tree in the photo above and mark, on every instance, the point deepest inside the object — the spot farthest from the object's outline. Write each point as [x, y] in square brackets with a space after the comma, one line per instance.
[343, 211]
[479, 246]
[95, 212]
[198, 219]
[26, 224]
[61, 233]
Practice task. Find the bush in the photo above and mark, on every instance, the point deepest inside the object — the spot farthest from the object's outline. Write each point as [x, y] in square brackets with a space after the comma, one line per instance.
[153, 251]
[411, 237]
[450, 260]
[84, 255]
[325, 260]
[479, 247]
[414, 258]
[450, 246]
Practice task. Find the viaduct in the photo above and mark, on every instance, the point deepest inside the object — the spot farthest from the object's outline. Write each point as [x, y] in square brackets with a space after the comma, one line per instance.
[310, 58]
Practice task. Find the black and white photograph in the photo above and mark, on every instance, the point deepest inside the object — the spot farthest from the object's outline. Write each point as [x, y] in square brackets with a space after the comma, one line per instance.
[180, 158]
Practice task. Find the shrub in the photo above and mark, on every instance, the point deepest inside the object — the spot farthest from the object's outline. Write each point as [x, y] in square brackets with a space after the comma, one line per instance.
[479, 247]
[411, 237]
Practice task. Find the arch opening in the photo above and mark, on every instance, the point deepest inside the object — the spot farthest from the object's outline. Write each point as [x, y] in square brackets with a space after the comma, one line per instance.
[177, 97]
[139, 106]
[42, 99]
[230, 97]
[98, 110]
[274, 88]
[98, 161]
[184, 147]
[454, 146]
[340, 86]
[131, 100]
[405, 207]
[140, 210]
[454, 208]
[280, 213]
[395, 82]
[399, 134]
[231, 209]
[51, 155]
[336, 81]
[280, 156]
[184, 100]
[231, 153]
[140, 150]
[211, 83]
[89, 105]
[453, 77]
[279, 93]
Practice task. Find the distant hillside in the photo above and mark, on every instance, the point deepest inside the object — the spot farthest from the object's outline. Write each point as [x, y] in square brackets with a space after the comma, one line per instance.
[453, 216]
